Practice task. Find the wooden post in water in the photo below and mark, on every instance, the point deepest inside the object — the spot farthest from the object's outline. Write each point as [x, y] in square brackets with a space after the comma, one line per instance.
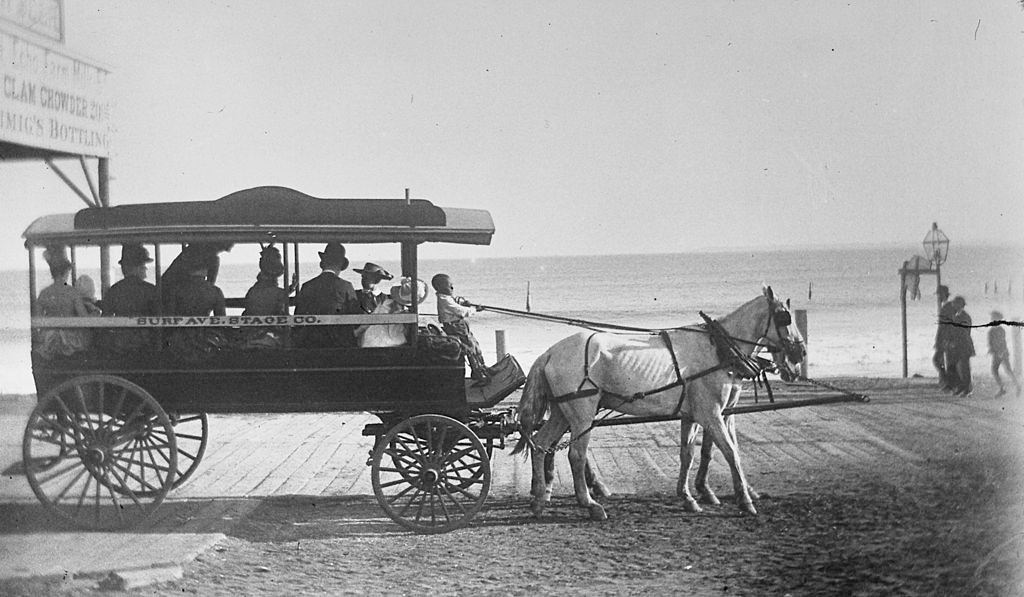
[801, 325]
[499, 343]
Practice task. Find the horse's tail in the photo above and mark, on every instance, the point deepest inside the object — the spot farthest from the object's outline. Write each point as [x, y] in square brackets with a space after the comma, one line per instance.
[534, 402]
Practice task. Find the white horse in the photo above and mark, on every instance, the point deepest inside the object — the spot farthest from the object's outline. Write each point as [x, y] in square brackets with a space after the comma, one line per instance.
[692, 372]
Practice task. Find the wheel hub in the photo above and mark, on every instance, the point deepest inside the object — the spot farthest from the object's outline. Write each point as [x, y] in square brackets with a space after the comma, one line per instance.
[430, 477]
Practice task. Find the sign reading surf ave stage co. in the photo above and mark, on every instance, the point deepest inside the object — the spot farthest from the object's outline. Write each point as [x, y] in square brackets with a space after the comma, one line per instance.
[50, 99]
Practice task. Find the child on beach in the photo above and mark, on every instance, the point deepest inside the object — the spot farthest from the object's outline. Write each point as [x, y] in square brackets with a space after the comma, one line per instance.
[1000, 354]
[452, 312]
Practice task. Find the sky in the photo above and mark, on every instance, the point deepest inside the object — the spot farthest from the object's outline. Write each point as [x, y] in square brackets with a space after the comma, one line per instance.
[596, 127]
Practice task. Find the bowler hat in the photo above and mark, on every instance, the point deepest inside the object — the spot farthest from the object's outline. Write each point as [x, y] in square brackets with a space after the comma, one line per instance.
[373, 268]
[334, 253]
[133, 255]
[402, 294]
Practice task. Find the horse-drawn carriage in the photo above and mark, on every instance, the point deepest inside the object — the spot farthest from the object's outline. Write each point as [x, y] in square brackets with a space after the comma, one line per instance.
[114, 431]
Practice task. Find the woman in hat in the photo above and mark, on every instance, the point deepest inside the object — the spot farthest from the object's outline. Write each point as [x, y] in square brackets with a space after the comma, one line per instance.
[60, 299]
[370, 276]
[398, 301]
[266, 297]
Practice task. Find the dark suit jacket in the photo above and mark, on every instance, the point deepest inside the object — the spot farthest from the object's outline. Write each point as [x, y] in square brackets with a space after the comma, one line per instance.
[326, 294]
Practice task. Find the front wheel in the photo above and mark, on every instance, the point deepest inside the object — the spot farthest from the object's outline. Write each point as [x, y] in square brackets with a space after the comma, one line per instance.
[431, 474]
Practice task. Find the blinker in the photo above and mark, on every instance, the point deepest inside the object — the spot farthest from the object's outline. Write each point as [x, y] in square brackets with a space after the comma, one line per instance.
[782, 318]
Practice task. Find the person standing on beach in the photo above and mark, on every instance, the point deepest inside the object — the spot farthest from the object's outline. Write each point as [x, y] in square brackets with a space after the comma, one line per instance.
[1000, 354]
[947, 372]
[961, 347]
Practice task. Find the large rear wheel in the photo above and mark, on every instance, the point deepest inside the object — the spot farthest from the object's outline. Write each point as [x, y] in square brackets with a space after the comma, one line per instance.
[431, 474]
[100, 452]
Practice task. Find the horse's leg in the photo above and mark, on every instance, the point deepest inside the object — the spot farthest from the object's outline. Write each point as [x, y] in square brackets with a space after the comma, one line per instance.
[707, 495]
[543, 460]
[594, 482]
[687, 439]
[720, 434]
[580, 414]
[578, 463]
[730, 424]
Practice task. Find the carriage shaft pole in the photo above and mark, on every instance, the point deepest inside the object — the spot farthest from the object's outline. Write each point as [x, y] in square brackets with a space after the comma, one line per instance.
[738, 410]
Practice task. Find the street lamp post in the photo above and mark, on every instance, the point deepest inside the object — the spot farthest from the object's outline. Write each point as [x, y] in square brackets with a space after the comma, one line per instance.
[936, 247]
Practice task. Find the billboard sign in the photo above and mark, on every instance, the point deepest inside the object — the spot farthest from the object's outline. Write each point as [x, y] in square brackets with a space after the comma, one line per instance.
[42, 17]
[50, 99]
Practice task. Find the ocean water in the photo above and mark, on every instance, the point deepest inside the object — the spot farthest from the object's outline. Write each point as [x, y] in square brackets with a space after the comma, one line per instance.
[852, 297]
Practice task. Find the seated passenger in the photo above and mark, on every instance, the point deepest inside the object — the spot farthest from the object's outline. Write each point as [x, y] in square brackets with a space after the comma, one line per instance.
[370, 276]
[131, 297]
[327, 294]
[392, 334]
[87, 288]
[207, 254]
[60, 300]
[194, 296]
[266, 298]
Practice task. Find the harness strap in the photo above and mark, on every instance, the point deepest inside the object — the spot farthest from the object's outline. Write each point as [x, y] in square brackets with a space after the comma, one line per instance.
[580, 392]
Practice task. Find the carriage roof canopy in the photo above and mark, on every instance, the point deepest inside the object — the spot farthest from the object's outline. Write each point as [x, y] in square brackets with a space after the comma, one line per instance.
[265, 213]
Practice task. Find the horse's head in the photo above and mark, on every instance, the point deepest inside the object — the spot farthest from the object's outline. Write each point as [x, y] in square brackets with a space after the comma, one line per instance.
[781, 337]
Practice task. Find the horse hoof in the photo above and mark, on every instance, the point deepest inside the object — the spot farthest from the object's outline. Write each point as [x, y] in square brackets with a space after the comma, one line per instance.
[753, 494]
[600, 491]
[537, 508]
[597, 512]
[710, 498]
[748, 508]
[690, 505]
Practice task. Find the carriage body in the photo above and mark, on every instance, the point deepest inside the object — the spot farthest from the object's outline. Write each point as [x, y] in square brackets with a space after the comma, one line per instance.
[91, 400]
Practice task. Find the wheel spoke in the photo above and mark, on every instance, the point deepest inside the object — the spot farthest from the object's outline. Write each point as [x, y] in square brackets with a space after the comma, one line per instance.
[68, 487]
[180, 436]
[113, 497]
[124, 483]
[80, 394]
[85, 492]
[142, 463]
[444, 489]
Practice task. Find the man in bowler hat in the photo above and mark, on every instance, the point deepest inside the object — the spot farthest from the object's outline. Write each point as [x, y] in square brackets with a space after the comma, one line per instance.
[132, 296]
[327, 294]
[948, 379]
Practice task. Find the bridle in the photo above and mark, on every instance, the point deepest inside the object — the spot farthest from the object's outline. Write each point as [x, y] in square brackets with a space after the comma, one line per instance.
[793, 350]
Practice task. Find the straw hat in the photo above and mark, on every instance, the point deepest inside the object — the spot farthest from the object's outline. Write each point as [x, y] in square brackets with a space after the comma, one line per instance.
[402, 294]
[373, 268]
